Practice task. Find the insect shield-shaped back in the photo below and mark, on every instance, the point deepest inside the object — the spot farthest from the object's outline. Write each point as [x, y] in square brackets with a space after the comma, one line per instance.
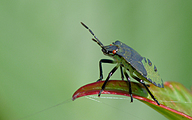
[145, 70]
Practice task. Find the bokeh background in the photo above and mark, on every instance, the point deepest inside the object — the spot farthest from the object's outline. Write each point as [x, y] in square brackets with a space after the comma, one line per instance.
[46, 54]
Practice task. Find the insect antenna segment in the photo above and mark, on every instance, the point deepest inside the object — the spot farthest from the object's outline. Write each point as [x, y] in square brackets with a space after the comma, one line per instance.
[96, 39]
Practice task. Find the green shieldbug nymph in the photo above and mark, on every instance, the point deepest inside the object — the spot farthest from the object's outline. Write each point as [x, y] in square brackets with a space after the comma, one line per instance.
[140, 68]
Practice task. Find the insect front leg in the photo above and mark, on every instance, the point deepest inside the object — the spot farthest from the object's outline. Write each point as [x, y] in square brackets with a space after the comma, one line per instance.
[110, 74]
[129, 84]
[100, 66]
[143, 83]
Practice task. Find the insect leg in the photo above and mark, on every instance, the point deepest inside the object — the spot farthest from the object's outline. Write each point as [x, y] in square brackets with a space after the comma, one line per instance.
[129, 84]
[122, 76]
[149, 92]
[110, 74]
[100, 66]
[142, 82]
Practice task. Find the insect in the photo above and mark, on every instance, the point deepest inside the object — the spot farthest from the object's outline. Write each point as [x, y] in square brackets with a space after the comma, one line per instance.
[140, 68]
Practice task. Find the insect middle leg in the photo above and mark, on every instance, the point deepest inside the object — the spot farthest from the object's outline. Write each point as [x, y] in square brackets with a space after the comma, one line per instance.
[110, 74]
[122, 76]
[129, 84]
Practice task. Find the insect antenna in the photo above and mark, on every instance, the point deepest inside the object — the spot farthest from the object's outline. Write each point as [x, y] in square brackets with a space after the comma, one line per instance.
[96, 39]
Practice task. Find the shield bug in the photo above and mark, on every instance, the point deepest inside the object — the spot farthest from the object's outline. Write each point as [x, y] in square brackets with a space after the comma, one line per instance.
[140, 68]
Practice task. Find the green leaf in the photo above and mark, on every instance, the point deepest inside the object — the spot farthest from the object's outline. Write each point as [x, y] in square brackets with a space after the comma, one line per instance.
[174, 98]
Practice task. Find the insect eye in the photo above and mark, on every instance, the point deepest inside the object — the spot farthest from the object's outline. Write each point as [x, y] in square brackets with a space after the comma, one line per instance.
[114, 51]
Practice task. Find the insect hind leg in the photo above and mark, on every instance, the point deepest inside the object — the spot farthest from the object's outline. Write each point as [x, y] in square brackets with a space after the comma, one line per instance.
[146, 86]
[149, 92]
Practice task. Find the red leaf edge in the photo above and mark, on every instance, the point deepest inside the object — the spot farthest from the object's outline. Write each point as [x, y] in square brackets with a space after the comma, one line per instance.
[78, 94]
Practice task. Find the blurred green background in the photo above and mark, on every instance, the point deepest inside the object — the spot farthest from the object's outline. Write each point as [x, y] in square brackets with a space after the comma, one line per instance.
[46, 54]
